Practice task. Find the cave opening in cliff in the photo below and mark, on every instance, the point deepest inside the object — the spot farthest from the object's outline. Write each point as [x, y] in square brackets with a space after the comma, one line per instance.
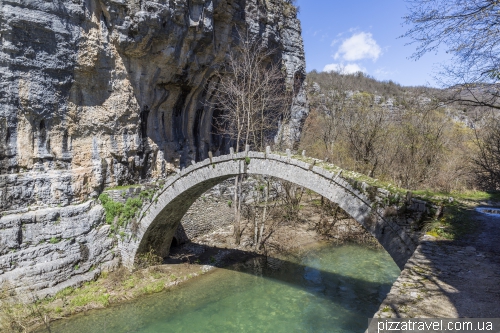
[144, 122]
[177, 121]
[65, 140]
[197, 134]
[175, 243]
[42, 137]
[7, 135]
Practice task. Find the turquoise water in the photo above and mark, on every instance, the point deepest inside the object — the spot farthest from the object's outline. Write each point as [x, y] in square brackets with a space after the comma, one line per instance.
[322, 289]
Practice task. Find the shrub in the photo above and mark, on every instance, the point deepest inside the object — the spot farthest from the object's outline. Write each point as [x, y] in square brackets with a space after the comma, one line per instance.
[124, 212]
[112, 208]
[54, 240]
[149, 258]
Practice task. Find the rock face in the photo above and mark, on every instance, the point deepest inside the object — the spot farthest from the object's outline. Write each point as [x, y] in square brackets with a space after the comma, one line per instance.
[54, 247]
[98, 93]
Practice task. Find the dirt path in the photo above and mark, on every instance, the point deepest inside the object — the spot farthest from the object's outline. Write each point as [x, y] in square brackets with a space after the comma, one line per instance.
[450, 279]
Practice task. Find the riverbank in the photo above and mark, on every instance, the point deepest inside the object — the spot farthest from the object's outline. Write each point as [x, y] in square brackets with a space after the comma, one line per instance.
[317, 288]
[188, 261]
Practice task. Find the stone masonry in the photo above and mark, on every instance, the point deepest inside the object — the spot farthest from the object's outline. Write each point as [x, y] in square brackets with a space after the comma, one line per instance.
[161, 218]
[47, 249]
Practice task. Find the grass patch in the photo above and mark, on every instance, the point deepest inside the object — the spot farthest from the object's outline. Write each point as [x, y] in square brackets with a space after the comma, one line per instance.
[468, 195]
[154, 287]
[457, 222]
[54, 240]
[479, 195]
[129, 283]
[123, 212]
[65, 292]
[316, 202]
[147, 195]
[90, 296]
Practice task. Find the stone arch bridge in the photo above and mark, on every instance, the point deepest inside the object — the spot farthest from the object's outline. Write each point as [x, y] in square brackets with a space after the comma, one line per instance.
[161, 218]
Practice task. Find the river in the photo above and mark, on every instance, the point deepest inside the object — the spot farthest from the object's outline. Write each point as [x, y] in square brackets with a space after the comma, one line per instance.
[323, 288]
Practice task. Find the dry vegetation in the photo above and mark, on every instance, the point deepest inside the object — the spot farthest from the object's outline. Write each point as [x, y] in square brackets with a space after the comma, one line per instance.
[404, 135]
[250, 96]
[283, 216]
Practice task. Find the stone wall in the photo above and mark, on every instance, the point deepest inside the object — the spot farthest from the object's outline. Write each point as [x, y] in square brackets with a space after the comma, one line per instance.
[213, 210]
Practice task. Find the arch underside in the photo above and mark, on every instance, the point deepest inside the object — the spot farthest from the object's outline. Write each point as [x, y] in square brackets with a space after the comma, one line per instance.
[158, 227]
[160, 233]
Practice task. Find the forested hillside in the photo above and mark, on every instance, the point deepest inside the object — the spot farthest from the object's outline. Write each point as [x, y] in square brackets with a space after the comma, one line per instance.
[409, 136]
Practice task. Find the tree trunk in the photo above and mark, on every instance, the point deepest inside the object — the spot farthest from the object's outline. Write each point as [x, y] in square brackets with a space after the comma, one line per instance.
[237, 196]
[237, 210]
[264, 213]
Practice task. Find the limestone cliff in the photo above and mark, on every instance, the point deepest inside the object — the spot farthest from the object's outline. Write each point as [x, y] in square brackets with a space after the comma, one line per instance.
[96, 93]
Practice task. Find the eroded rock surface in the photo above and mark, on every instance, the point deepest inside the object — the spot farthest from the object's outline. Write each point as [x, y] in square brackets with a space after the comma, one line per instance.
[98, 93]
[54, 247]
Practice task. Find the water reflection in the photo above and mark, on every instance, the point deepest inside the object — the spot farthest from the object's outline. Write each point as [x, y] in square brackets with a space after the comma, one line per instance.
[322, 289]
[492, 211]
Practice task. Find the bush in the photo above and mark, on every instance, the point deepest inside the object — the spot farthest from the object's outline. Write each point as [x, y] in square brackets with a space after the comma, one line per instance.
[124, 212]
[112, 208]
[149, 258]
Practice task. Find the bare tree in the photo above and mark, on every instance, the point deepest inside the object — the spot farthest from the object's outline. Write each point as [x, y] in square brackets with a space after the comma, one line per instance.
[420, 143]
[468, 30]
[364, 123]
[400, 134]
[487, 160]
[254, 99]
[264, 211]
[276, 203]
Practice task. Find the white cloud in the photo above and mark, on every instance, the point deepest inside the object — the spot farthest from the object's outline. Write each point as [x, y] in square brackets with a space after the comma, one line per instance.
[359, 46]
[344, 69]
[383, 72]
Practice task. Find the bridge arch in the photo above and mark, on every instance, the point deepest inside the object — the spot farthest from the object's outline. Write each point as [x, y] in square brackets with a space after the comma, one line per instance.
[161, 218]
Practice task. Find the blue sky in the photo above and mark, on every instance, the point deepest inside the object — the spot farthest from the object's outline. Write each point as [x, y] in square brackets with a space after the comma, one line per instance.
[363, 35]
